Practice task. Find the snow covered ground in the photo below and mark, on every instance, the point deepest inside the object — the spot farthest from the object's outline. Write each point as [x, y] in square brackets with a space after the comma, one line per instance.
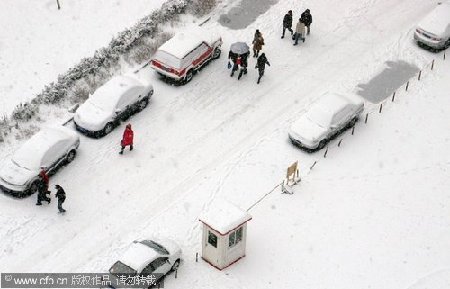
[373, 214]
[38, 42]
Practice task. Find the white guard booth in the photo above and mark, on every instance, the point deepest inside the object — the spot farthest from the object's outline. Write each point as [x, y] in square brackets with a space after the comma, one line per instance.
[224, 234]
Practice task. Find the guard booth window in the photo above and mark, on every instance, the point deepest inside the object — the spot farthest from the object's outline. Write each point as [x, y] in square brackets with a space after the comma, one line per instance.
[212, 239]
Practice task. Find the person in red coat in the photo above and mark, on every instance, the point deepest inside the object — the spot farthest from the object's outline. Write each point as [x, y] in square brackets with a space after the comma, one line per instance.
[127, 139]
[43, 188]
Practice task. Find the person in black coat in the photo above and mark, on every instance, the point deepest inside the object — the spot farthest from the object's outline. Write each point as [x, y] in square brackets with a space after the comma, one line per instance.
[233, 58]
[307, 19]
[244, 64]
[287, 23]
[61, 195]
[261, 65]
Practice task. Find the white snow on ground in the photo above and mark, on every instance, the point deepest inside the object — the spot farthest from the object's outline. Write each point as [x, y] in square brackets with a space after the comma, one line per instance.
[38, 42]
[373, 214]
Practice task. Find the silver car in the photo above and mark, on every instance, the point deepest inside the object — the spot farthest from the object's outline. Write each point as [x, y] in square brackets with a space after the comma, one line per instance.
[326, 118]
[112, 103]
[147, 257]
[50, 148]
[434, 30]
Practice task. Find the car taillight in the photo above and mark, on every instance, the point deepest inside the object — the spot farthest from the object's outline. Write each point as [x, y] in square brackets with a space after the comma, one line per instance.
[177, 72]
[155, 63]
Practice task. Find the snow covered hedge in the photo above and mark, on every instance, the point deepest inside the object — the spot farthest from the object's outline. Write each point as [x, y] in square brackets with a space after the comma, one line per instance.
[76, 84]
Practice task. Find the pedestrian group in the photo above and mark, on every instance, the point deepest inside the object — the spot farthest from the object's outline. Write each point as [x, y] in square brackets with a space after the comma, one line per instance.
[239, 61]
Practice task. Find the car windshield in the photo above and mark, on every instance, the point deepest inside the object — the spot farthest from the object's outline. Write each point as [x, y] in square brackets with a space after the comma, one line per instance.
[103, 102]
[120, 268]
[157, 247]
[319, 116]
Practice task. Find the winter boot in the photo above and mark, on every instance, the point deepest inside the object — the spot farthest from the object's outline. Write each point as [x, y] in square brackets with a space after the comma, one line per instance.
[131, 147]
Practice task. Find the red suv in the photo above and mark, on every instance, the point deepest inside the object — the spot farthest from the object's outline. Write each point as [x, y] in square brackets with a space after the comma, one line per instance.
[181, 56]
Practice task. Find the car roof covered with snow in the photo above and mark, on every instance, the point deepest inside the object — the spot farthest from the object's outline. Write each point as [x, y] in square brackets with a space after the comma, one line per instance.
[323, 110]
[438, 20]
[138, 256]
[31, 154]
[223, 216]
[109, 94]
[184, 42]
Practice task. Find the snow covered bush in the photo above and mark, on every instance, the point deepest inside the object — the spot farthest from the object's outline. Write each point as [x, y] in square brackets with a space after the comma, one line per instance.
[147, 48]
[201, 7]
[79, 93]
[25, 111]
[136, 44]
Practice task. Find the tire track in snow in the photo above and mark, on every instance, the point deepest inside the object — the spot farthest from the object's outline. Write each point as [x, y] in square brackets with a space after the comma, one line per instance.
[277, 114]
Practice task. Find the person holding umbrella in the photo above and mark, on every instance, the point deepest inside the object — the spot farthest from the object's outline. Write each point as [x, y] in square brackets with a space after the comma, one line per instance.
[239, 53]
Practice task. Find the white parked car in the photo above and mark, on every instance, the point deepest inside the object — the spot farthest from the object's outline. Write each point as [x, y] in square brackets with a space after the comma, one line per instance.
[185, 53]
[147, 257]
[434, 30]
[326, 118]
[50, 148]
[112, 103]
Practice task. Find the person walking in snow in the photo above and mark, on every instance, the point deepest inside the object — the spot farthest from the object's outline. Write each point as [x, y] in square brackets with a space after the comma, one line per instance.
[61, 195]
[233, 62]
[287, 23]
[258, 43]
[244, 64]
[43, 188]
[127, 139]
[299, 31]
[307, 19]
[261, 65]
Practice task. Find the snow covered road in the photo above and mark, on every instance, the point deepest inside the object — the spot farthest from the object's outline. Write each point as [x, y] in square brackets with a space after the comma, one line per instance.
[190, 140]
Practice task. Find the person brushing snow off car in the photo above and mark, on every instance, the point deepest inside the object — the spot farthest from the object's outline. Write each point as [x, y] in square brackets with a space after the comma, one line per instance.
[261, 65]
[127, 139]
[43, 188]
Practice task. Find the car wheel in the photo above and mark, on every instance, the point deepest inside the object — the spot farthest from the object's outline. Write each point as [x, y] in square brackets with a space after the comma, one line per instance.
[108, 128]
[322, 144]
[71, 156]
[142, 104]
[189, 76]
[352, 123]
[33, 188]
[216, 53]
[175, 265]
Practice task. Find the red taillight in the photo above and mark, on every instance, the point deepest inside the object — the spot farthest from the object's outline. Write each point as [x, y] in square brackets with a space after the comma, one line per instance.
[177, 72]
[155, 63]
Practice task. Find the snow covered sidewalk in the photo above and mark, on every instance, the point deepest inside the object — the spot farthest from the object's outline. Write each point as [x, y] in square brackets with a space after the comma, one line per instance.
[373, 214]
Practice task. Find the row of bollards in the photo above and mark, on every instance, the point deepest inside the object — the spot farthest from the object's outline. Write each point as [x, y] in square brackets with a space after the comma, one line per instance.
[379, 111]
